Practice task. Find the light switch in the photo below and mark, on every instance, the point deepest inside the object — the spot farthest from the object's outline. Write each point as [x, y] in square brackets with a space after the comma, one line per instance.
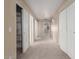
[10, 57]
[10, 29]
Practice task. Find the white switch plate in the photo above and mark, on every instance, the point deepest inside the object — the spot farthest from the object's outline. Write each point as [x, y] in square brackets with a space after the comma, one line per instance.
[10, 57]
[10, 29]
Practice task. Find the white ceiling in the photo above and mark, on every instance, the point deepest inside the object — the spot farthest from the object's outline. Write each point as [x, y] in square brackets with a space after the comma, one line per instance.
[44, 9]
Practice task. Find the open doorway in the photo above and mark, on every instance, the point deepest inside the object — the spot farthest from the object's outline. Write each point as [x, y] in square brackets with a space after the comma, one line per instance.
[19, 37]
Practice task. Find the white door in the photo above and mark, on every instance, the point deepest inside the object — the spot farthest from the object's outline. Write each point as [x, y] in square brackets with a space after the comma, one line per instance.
[71, 30]
[67, 30]
[25, 30]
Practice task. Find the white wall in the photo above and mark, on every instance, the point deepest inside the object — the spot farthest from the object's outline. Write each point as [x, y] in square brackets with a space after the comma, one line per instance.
[28, 29]
[25, 28]
[36, 29]
[43, 32]
[66, 30]
[54, 29]
[31, 26]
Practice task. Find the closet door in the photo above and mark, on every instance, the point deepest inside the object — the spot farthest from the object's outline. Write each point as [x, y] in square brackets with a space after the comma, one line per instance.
[67, 30]
[62, 30]
[25, 29]
[71, 30]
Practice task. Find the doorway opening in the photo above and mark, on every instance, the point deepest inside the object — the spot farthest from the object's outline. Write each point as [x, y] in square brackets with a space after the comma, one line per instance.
[19, 37]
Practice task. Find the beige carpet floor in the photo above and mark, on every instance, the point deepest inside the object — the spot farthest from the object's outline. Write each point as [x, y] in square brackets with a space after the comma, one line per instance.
[44, 50]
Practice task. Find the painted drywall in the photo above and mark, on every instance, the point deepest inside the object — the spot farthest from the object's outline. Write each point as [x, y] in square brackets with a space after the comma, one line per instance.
[44, 9]
[54, 33]
[66, 29]
[31, 30]
[54, 29]
[43, 32]
[10, 29]
[36, 30]
[25, 29]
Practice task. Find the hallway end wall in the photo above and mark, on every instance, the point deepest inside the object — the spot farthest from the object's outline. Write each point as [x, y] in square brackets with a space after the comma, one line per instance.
[54, 28]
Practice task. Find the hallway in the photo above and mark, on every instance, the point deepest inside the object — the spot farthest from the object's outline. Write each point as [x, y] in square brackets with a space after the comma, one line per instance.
[41, 29]
[44, 50]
